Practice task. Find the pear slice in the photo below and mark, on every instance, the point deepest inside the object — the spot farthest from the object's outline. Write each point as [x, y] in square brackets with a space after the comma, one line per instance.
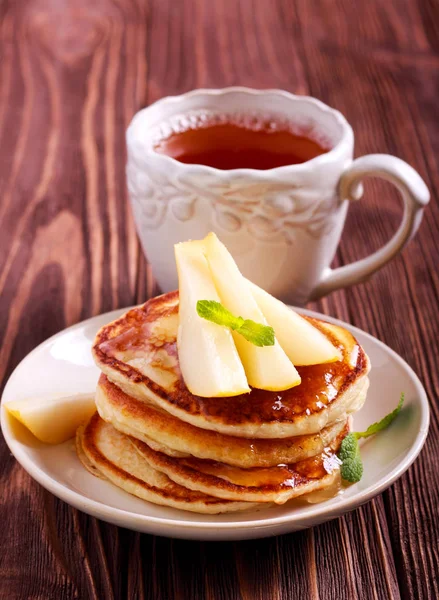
[53, 419]
[303, 343]
[208, 358]
[267, 367]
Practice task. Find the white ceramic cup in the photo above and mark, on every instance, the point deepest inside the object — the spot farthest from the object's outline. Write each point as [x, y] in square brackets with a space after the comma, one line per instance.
[282, 225]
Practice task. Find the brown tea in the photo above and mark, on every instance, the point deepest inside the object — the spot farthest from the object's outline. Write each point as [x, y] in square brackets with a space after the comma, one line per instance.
[251, 144]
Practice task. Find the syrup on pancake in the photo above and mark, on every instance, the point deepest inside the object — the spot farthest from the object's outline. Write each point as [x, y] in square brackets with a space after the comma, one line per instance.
[133, 337]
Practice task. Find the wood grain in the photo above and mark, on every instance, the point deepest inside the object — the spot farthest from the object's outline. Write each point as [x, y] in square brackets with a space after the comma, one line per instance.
[72, 74]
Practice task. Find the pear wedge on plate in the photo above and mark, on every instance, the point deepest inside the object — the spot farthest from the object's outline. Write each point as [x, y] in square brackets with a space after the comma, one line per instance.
[268, 367]
[208, 358]
[53, 419]
[303, 343]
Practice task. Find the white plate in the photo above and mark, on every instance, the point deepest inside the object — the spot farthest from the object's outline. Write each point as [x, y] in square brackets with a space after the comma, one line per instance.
[63, 365]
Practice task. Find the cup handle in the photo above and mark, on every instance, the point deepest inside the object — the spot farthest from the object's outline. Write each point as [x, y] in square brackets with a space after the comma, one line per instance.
[415, 197]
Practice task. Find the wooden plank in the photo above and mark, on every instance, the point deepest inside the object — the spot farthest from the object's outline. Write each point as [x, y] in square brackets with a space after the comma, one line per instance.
[71, 77]
[399, 304]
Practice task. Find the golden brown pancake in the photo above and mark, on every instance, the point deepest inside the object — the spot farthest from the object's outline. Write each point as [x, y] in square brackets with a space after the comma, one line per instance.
[273, 484]
[166, 433]
[111, 455]
[138, 352]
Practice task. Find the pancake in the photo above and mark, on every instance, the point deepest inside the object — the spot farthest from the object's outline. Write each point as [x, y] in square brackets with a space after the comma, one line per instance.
[103, 449]
[138, 352]
[273, 484]
[167, 434]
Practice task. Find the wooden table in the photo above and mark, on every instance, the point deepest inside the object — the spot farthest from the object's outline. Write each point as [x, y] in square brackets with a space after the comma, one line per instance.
[72, 74]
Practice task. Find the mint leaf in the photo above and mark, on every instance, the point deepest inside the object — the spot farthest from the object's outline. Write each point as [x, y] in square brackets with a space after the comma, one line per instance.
[349, 453]
[256, 333]
[385, 421]
[214, 311]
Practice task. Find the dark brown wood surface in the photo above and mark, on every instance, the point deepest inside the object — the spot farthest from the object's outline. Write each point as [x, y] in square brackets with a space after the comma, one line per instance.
[72, 74]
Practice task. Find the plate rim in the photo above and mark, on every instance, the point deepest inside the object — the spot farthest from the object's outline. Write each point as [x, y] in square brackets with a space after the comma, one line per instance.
[104, 511]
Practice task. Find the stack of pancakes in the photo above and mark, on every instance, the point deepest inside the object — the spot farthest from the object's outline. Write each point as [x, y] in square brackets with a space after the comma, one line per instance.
[153, 438]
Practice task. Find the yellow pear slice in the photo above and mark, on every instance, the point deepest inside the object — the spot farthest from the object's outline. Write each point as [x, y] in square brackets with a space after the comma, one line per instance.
[267, 367]
[52, 419]
[303, 343]
[208, 358]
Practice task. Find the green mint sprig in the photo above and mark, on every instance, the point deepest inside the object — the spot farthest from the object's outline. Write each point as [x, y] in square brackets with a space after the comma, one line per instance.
[349, 453]
[256, 333]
